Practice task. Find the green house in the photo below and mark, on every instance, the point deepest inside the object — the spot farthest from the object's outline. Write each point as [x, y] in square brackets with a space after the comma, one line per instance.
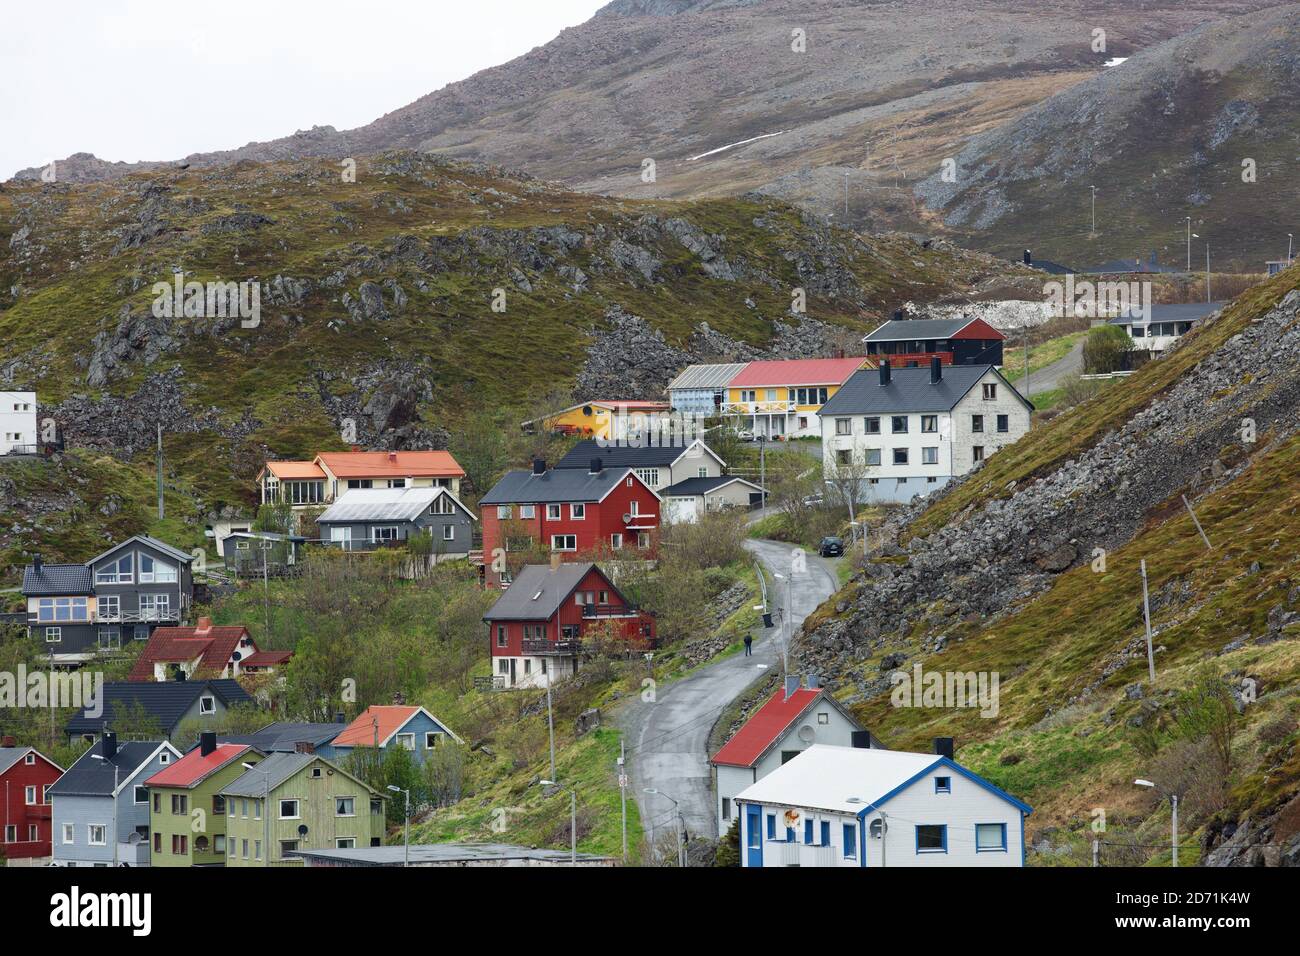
[187, 814]
[314, 805]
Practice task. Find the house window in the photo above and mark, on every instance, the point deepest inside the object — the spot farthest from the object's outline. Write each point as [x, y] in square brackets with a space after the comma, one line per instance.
[53, 635]
[825, 833]
[900, 456]
[288, 846]
[528, 511]
[383, 533]
[406, 741]
[179, 807]
[873, 456]
[726, 808]
[164, 758]
[931, 838]
[179, 841]
[702, 473]
[643, 539]
[503, 666]
[823, 718]
[977, 452]
[218, 804]
[29, 760]
[929, 424]
[115, 572]
[843, 456]
[141, 795]
[850, 841]
[156, 572]
[69, 834]
[872, 425]
[396, 482]
[564, 542]
[304, 492]
[430, 739]
[442, 505]
[771, 826]
[552, 512]
[360, 483]
[345, 806]
[29, 796]
[808, 832]
[201, 844]
[977, 423]
[990, 838]
[943, 784]
[207, 705]
[650, 476]
[243, 844]
[109, 607]
[616, 541]
[1004, 423]
[449, 532]
[62, 609]
[844, 426]
[898, 424]
[578, 512]
[219, 843]
[634, 508]
[155, 607]
[288, 809]
[345, 843]
[95, 834]
[501, 635]
[504, 512]
[930, 456]
[990, 391]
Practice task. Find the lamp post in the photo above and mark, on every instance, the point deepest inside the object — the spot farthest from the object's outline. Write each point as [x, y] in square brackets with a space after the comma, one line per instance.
[115, 786]
[406, 825]
[573, 819]
[681, 848]
[1094, 209]
[1189, 243]
[1289, 242]
[550, 718]
[266, 809]
[884, 828]
[1173, 799]
[786, 618]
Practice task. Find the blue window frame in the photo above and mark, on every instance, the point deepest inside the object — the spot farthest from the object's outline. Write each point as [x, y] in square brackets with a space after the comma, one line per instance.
[990, 838]
[850, 842]
[771, 826]
[931, 838]
[808, 832]
[826, 834]
[943, 784]
[755, 837]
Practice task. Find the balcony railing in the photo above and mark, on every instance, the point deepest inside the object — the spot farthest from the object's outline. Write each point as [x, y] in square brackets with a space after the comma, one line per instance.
[758, 408]
[608, 610]
[545, 648]
[494, 682]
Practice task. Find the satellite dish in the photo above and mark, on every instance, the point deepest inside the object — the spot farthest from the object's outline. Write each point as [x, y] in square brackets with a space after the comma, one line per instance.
[807, 733]
[235, 655]
[627, 519]
[302, 829]
[790, 818]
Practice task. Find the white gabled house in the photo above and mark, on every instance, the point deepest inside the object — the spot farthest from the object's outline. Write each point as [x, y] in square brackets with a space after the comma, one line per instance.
[847, 806]
[909, 431]
[18, 434]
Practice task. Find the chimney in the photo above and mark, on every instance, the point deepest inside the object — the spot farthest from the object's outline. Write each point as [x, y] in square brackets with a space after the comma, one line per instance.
[814, 682]
[884, 371]
[204, 625]
[355, 449]
[791, 685]
[37, 564]
[860, 739]
[936, 370]
[943, 747]
[399, 699]
[207, 742]
[899, 315]
[595, 466]
[392, 457]
[304, 747]
[7, 741]
[555, 560]
[340, 718]
[539, 466]
[109, 749]
[1029, 258]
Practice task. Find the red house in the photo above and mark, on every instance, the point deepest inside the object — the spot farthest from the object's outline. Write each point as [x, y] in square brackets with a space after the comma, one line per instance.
[569, 511]
[25, 773]
[913, 342]
[205, 650]
[552, 616]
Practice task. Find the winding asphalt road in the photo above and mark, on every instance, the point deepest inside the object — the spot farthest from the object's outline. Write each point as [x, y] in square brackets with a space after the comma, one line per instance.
[1051, 376]
[667, 739]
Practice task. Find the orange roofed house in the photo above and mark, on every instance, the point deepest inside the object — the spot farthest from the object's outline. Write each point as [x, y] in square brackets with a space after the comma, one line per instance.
[185, 653]
[316, 483]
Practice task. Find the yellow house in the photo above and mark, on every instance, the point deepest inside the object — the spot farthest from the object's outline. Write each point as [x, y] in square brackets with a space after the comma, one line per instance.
[782, 398]
[608, 420]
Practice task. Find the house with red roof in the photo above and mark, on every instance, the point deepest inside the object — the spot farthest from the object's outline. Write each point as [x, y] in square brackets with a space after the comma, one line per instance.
[205, 650]
[780, 399]
[791, 721]
[187, 813]
[915, 343]
[319, 482]
[384, 726]
[25, 775]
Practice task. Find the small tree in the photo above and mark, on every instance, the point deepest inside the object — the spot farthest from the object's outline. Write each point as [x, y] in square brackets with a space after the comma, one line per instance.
[846, 481]
[1106, 349]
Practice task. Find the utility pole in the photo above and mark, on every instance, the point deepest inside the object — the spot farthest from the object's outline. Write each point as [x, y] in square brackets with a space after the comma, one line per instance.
[1189, 244]
[846, 197]
[884, 836]
[1289, 240]
[1096, 852]
[1197, 522]
[550, 725]
[1146, 616]
[1026, 361]
[573, 827]
[762, 465]
[1173, 798]
[160, 475]
[1207, 270]
[406, 825]
[622, 790]
[1094, 209]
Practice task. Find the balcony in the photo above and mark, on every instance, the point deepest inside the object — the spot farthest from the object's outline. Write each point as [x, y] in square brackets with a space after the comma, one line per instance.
[757, 408]
[608, 610]
[544, 648]
[146, 616]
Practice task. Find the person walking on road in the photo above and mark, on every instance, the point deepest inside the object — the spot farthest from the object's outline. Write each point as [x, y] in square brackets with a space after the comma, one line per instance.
[749, 645]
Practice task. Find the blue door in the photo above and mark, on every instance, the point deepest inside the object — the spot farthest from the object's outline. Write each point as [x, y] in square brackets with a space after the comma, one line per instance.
[753, 835]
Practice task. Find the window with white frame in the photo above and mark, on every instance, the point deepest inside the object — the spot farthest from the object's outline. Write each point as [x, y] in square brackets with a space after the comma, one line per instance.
[63, 609]
[53, 635]
[155, 606]
[844, 426]
[990, 837]
[649, 475]
[109, 607]
[552, 512]
[69, 834]
[564, 542]
[430, 739]
[345, 806]
[930, 456]
[616, 541]
[503, 512]
[156, 572]
[207, 705]
[29, 796]
[449, 532]
[386, 532]
[406, 741]
[577, 511]
[990, 391]
[634, 508]
[95, 834]
[116, 572]
[345, 843]
[289, 810]
[528, 511]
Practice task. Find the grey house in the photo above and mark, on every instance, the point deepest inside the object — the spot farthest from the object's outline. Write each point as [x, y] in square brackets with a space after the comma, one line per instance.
[364, 519]
[77, 610]
[100, 812]
[658, 465]
[168, 704]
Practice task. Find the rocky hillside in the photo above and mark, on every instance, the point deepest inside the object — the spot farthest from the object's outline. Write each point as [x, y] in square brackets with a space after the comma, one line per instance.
[877, 90]
[1030, 568]
[377, 302]
[1162, 136]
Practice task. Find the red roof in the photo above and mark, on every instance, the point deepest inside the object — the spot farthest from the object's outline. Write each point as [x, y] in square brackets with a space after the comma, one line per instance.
[797, 372]
[395, 464]
[194, 766]
[361, 732]
[761, 730]
[175, 645]
[295, 469]
[266, 659]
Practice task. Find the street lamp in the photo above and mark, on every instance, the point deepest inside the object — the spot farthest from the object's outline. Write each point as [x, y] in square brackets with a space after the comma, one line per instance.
[115, 786]
[786, 618]
[1094, 209]
[1173, 799]
[681, 848]
[266, 809]
[573, 819]
[884, 828]
[406, 825]
[1189, 243]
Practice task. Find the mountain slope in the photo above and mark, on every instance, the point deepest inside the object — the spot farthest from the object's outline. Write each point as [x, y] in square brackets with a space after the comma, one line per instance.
[1002, 573]
[1162, 136]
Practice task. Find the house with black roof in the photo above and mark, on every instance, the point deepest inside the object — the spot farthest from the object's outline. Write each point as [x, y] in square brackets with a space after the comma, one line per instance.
[912, 343]
[1156, 330]
[900, 433]
[166, 706]
[658, 465]
[121, 595]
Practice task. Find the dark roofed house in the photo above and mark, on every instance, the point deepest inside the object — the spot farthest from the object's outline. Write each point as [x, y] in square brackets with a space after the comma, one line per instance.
[167, 705]
[658, 465]
[289, 737]
[25, 778]
[1165, 325]
[913, 342]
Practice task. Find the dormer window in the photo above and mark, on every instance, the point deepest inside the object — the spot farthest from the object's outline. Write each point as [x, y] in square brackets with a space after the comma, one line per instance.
[207, 705]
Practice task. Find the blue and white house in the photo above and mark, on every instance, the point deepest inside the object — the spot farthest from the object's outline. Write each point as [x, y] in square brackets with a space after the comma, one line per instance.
[850, 806]
[100, 811]
[382, 727]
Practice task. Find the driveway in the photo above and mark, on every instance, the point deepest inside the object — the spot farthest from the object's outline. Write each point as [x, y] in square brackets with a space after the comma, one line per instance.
[667, 739]
[1051, 376]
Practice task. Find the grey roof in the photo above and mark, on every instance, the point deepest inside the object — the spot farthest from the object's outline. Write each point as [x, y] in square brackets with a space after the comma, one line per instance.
[284, 736]
[165, 701]
[702, 486]
[54, 579]
[93, 777]
[162, 546]
[558, 484]
[270, 773]
[537, 591]
[907, 330]
[909, 390]
[11, 755]
[428, 854]
[1178, 312]
[623, 456]
[384, 504]
[706, 376]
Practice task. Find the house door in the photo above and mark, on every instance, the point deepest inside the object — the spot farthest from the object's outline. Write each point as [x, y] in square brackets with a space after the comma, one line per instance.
[753, 835]
[512, 672]
[342, 536]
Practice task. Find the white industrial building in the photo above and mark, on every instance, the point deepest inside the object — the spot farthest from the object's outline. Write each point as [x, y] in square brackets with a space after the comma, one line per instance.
[909, 431]
[18, 434]
[848, 806]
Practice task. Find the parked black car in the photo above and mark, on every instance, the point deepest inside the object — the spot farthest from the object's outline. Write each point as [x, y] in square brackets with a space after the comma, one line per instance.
[831, 547]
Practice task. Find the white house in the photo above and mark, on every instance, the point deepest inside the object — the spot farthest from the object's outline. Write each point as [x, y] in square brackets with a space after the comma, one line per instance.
[847, 806]
[18, 423]
[909, 431]
[687, 500]
[790, 722]
[1165, 324]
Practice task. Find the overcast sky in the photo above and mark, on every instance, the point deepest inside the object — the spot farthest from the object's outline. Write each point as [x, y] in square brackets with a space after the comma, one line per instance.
[159, 79]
